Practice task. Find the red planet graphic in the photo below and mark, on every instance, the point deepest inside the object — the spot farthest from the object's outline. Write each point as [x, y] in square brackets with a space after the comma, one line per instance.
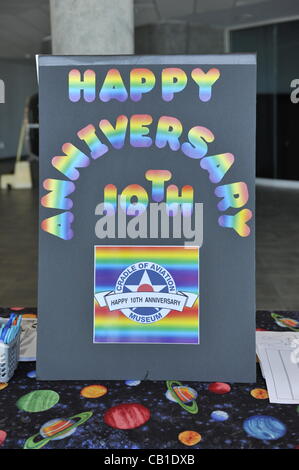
[127, 416]
[219, 388]
[3, 435]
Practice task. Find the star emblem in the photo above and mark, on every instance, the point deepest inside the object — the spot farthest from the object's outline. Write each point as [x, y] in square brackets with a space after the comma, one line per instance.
[145, 285]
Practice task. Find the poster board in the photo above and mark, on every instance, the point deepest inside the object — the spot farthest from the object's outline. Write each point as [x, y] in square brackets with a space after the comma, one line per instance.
[146, 240]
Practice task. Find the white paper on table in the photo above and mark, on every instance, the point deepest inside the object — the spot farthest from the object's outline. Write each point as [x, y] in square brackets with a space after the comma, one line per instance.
[278, 353]
[28, 339]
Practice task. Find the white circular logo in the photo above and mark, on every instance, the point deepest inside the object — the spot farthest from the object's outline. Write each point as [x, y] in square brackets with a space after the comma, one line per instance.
[147, 279]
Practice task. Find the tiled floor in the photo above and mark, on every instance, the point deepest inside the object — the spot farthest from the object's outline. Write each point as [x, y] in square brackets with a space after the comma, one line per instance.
[277, 250]
[18, 248]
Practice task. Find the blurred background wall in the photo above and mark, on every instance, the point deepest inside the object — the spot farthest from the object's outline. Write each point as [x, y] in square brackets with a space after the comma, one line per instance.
[268, 27]
[19, 76]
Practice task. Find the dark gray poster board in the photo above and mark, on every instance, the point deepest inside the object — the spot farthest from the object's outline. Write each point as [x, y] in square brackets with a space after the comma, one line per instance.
[147, 240]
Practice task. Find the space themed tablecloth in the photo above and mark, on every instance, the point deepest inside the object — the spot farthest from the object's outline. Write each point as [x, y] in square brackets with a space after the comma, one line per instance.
[146, 415]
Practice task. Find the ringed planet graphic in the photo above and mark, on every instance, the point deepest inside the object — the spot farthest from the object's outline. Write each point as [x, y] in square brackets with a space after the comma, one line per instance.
[57, 429]
[285, 322]
[38, 400]
[264, 427]
[94, 391]
[182, 395]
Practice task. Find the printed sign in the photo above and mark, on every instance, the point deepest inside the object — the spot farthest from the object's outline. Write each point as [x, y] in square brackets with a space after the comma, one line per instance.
[133, 296]
[146, 261]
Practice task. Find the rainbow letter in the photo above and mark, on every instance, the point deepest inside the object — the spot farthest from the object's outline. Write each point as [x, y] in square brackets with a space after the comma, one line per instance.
[110, 199]
[73, 159]
[138, 130]
[169, 129]
[134, 208]
[174, 80]
[158, 177]
[234, 195]
[116, 135]
[87, 85]
[59, 225]
[237, 222]
[56, 198]
[173, 200]
[142, 81]
[217, 165]
[88, 135]
[198, 136]
[113, 87]
[205, 81]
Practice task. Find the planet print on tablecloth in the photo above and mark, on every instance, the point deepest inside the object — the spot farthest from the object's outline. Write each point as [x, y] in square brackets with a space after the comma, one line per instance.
[3, 385]
[3, 435]
[132, 383]
[189, 438]
[38, 400]
[31, 374]
[127, 416]
[219, 388]
[183, 395]
[219, 415]
[94, 391]
[264, 427]
[259, 393]
[285, 322]
[56, 429]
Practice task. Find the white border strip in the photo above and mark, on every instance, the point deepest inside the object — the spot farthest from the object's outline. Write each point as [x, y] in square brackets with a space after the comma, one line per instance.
[217, 59]
[276, 183]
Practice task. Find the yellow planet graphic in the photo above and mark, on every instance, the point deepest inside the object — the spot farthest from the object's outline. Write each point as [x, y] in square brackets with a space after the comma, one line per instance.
[94, 391]
[3, 386]
[259, 393]
[189, 438]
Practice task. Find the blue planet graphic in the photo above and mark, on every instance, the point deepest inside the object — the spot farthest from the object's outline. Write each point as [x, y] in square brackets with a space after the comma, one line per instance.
[219, 415]
[132, 383]
[32, 374]
[264, 427]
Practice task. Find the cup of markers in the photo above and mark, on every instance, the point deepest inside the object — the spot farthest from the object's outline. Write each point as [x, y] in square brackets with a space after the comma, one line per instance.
[10, 330]
[9, 346]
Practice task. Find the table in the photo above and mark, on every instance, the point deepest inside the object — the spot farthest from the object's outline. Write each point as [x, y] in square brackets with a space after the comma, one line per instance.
[83, 423]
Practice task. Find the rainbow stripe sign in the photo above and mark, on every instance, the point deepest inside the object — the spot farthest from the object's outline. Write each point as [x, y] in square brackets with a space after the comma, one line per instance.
[146, 218]
[146, 294]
